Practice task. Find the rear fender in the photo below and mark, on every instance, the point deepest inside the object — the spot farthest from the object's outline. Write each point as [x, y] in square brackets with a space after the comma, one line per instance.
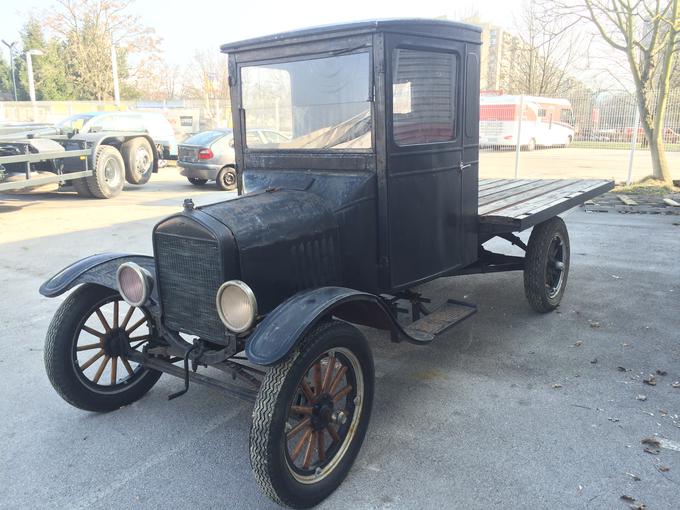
[100, 269]
[283, 328]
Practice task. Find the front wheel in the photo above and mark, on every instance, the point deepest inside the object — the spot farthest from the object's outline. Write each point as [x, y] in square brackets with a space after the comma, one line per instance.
[108, 177]
[86, 346]
[546, 265]
[311, 416]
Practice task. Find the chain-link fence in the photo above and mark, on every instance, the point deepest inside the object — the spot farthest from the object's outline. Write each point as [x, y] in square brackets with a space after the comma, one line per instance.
[591, 136]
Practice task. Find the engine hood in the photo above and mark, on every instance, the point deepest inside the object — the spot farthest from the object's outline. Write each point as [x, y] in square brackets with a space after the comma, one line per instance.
[285, 241]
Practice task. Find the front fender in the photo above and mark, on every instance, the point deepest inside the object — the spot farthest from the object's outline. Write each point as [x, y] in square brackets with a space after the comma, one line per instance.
[100, 269]
[280, 331]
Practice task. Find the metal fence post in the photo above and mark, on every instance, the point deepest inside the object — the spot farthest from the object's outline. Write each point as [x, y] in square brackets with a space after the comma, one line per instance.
[633, 143]
[519, 133]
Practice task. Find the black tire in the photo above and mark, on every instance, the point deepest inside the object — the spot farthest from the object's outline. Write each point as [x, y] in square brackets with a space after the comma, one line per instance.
[61, 356]
[109, 173]
[81, 187]
[196, 181]
[270, 434]
[546, 265]
[138, 157]
[226, 179]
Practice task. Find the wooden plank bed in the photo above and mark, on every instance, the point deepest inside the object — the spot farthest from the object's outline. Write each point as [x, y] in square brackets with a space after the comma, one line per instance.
[513, 205]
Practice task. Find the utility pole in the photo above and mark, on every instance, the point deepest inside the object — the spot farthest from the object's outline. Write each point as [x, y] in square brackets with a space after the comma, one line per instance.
[31, 83]
[114, 68]
[11, 63]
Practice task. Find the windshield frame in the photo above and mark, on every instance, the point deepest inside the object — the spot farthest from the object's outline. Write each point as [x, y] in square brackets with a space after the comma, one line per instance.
[351, 49]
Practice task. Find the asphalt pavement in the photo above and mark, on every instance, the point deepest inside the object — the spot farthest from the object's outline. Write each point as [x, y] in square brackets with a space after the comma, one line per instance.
[510, 409]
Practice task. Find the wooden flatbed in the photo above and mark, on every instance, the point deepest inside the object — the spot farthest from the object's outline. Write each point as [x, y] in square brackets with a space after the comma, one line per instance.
[513, 205]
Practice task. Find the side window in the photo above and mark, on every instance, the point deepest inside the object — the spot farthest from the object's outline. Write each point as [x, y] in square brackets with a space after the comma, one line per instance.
[566, 115]
[424, 96]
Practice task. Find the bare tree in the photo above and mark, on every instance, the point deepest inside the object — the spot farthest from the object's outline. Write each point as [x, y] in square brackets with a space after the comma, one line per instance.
[210, 83]
[88, 28]
[548, 52]
[646, 32]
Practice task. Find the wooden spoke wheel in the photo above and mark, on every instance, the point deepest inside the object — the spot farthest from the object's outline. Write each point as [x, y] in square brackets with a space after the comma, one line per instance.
[322, 417]
[100, 345]
[86, 347]
[311, 416]
[554, 269]
[546, 265]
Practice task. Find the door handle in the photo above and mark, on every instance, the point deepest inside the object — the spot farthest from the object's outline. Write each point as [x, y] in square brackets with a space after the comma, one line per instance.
[463, 166]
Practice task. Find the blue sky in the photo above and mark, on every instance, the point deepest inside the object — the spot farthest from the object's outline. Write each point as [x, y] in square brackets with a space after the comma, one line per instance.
[188, 26]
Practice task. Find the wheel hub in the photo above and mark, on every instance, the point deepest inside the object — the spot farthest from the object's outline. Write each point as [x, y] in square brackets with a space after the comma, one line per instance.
[116, 343]
[322, 412]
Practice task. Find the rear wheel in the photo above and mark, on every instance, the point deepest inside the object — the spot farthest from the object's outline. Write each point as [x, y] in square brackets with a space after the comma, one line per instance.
[138, 157]
[109, 173]
[226, 179]
[86, 345]
[546, 265]
[311, 416]
[196, 181]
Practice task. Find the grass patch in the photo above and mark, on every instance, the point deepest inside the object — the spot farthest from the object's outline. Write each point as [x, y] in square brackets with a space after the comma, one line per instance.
[647, 186]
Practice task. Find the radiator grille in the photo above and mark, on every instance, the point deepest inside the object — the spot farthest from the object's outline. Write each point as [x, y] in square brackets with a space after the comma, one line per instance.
[189, 275]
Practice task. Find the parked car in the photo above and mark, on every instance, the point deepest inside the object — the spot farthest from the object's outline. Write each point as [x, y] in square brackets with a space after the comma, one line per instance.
[669, 135]
[209, 155]
[155, 124]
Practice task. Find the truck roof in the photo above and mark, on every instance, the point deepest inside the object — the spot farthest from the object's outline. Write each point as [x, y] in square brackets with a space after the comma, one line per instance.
[416, 26]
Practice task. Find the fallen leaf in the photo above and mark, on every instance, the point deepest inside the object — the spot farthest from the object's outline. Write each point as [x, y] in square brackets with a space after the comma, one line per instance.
[593, 361]
[651, 380]
[661, 372]
[652, 451]
[676, 384]
[594, 324]
[626, 497]
[663, 412]
[651, 441]
[556, 386]
[614, 420]
[616, 277]
[622, 369]
[641, 397]
[634, 477]
[578, 343]
[663, 469]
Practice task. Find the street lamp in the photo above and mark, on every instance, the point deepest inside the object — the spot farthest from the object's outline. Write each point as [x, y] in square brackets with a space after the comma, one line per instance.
[11, 63]
[29, 68]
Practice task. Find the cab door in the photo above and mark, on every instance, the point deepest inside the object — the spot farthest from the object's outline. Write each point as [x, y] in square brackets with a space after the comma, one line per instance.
[425, 160]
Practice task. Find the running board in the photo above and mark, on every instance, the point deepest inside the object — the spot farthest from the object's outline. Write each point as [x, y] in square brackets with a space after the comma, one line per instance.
[446, 316]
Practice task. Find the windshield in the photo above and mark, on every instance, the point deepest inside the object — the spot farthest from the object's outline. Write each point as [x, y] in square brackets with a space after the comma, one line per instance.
[75, 122]
[317, 104]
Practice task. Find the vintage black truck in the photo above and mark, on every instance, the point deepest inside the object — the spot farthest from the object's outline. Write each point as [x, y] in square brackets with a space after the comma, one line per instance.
[376, 192]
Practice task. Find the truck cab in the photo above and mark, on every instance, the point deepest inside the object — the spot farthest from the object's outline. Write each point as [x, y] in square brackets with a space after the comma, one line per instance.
[383, 118]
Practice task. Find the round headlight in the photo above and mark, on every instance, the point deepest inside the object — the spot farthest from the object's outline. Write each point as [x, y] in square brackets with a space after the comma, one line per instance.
[236, 306]
[134, 283]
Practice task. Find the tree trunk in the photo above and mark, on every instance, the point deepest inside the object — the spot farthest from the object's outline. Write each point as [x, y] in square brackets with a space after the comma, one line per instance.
[657, 151]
